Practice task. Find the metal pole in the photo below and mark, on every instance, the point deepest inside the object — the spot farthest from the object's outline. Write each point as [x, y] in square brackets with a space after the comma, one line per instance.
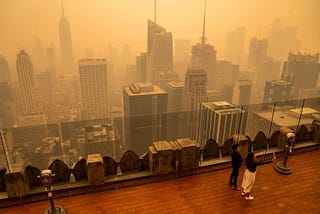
[4, 149]
[269, 132]
[240, 120]
[302, 106]
[51, 199]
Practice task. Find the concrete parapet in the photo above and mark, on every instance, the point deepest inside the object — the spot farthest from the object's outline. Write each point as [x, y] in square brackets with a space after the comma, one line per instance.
[16, 180]
[95, 169]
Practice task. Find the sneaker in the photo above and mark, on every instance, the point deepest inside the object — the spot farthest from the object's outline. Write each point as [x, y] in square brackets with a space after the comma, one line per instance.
[243, 193]
[249, 198]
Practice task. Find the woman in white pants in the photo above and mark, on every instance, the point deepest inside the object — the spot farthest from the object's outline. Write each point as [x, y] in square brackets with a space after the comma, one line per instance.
[249, 175]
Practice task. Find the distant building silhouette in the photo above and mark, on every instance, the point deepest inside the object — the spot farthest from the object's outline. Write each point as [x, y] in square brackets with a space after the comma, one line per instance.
[226, 73]
[52, 66]
[234, 45]
[67, 59]
[282, 40]
[145, 108]
[219, 121]
[4, 70]
[302, 71]
[195, 93]
[8, 112]
[141, 66]
[94, 88]
[26, 78]
[242, 92]
[182, 49]
[257, 52]
[160, 52]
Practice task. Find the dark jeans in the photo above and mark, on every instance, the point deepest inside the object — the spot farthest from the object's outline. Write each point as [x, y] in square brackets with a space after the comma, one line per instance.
[234, 176]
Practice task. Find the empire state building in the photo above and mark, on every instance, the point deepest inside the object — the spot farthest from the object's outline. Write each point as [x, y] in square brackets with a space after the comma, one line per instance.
[67, 60]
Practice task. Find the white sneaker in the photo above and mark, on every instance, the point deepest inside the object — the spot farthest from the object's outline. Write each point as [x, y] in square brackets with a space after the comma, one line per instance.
[249, 198]
[243, 193]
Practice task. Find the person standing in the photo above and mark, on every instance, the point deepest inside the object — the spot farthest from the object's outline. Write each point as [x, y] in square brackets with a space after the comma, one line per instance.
[236, 161]
[249, 175]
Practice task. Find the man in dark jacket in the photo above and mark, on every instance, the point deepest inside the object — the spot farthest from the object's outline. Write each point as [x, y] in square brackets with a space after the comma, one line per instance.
[236, 161]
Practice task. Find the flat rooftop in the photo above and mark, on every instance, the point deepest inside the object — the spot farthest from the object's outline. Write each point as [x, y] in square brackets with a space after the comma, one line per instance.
[205, 193]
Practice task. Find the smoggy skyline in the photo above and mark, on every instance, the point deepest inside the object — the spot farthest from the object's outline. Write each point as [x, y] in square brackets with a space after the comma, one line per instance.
[95, 24]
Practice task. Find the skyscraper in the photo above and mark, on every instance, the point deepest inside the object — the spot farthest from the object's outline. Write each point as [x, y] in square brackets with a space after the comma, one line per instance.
[204, 56]
[195, 93]
[29, 93]
[67, 59]
[241, 92]
[302, 71]
[276, 91]
[219, 121]
[141, 66]
[51, 66]
[195, 89]
[94, 88]
[4, 70]
[257, 52]
[182, 49]
[144, 107]
[234, 45]
[160, 53]
[282, 39]
[175, 95]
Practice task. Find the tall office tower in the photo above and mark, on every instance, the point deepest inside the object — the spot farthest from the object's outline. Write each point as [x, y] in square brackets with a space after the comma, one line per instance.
[182, 49]
[175, 94]
[268, 70]
[234, 45]
[4, 70]
[257, 52]
[175, 123]
[94, 88]
[219, 121]
[126, 54]
[45, 85]
[160, 53]
[145, 108]
[8, 112]
[141, 66]
[204, 56]
[241, 92]
[195, 93]
[131, 75]
[227, 73]
[282, 40]
[302, 71]
[276, 91]
[67, 59]
[29, 92]
[166, 77]
[51, 66]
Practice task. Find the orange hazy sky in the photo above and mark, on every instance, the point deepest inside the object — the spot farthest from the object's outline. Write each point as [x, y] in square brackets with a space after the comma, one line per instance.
[96, 23]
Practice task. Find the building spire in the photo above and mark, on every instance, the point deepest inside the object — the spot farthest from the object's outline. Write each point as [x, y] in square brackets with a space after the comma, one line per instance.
[203, 38]
[62, 8]
[155, 11]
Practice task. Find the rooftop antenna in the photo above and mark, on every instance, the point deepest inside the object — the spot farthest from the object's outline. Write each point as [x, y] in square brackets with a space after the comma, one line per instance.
[62, 8]
[203, 38]
[155, 11]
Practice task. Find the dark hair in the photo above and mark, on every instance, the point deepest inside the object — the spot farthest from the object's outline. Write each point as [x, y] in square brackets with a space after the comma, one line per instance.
[234, 147]
[249, 157]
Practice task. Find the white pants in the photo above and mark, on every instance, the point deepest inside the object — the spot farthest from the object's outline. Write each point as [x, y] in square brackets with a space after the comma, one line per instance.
[248, 180]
